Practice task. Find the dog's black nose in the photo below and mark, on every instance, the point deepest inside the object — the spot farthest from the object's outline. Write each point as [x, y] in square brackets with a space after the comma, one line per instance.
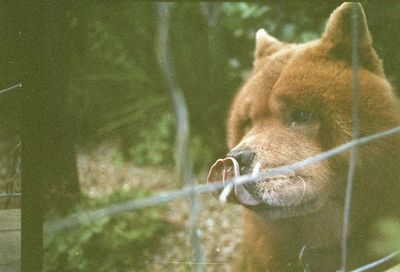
[244, 157]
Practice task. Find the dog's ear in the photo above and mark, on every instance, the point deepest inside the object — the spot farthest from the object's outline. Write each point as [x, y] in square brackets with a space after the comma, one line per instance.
[265, 44]
[338, 37]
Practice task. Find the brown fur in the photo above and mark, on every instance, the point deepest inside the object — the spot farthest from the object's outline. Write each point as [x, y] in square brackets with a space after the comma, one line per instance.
[317, 78]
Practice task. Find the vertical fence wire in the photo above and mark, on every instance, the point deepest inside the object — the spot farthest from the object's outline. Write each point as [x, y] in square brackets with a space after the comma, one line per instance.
[355, 134]
[212, 12]
[182, 121]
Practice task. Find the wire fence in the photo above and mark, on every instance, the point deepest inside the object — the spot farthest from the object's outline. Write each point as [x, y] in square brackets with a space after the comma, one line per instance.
[192, 190]
[9, 89]
[182, 157]
[355, 134]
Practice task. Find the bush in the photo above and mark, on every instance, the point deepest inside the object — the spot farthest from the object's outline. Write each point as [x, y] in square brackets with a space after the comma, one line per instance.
[154, 143]
[389, 238]
[119, 243]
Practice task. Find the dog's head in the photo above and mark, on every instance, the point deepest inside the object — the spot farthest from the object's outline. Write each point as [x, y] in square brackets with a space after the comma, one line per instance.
[297, 103]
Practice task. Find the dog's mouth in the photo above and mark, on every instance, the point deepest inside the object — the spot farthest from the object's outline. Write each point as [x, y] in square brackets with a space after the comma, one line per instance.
[278, 212]
[264, 199]
[227, 169]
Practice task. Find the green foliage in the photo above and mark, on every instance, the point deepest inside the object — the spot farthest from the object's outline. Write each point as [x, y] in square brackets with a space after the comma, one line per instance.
[242, 20]
[120, 243]
[389, 239]
[118, 92]
[154, 143]
[202, 157]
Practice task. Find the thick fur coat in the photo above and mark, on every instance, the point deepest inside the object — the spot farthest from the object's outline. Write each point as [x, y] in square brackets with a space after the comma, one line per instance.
[297, 103]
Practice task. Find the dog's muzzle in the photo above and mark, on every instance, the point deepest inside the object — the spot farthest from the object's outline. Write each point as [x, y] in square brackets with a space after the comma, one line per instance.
[225, 170]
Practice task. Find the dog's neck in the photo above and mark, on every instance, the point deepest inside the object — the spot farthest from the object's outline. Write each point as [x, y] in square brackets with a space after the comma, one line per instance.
[278, 243]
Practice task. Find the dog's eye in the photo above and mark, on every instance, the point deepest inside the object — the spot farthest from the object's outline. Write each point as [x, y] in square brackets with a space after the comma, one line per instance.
[300, 117]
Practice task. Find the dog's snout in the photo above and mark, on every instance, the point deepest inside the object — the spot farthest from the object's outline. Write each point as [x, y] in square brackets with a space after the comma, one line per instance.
[243, 156]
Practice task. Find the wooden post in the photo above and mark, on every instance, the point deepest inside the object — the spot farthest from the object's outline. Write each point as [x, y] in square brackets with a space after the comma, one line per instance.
[10, 240]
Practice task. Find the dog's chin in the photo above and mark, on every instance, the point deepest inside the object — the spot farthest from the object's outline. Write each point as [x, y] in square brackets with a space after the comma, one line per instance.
[280, 212]
[271, 201]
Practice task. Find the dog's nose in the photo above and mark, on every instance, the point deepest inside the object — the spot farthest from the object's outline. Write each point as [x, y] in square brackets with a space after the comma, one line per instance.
[244, 157]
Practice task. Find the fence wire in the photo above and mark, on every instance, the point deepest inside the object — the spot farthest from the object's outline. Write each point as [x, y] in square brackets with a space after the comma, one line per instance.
[191, 190]
[9, 89]
[182, 157]
[355, 132]
[130, 205]
[377, 263]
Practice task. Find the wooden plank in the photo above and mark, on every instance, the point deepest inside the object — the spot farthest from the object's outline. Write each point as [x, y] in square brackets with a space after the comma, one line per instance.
[10, 240]
[10, 219]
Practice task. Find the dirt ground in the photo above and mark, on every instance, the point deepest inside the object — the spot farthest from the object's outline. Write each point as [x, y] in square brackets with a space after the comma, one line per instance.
[219, 226]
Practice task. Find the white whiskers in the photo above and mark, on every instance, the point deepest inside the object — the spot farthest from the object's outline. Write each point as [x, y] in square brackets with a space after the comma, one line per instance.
[225, 193]
[256, 169]
[304, 190]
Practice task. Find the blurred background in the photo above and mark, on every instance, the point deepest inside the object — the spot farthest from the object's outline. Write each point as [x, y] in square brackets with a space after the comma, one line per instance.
[117, 124]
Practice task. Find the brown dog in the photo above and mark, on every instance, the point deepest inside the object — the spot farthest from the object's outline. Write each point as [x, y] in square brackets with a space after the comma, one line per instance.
[298, 103]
